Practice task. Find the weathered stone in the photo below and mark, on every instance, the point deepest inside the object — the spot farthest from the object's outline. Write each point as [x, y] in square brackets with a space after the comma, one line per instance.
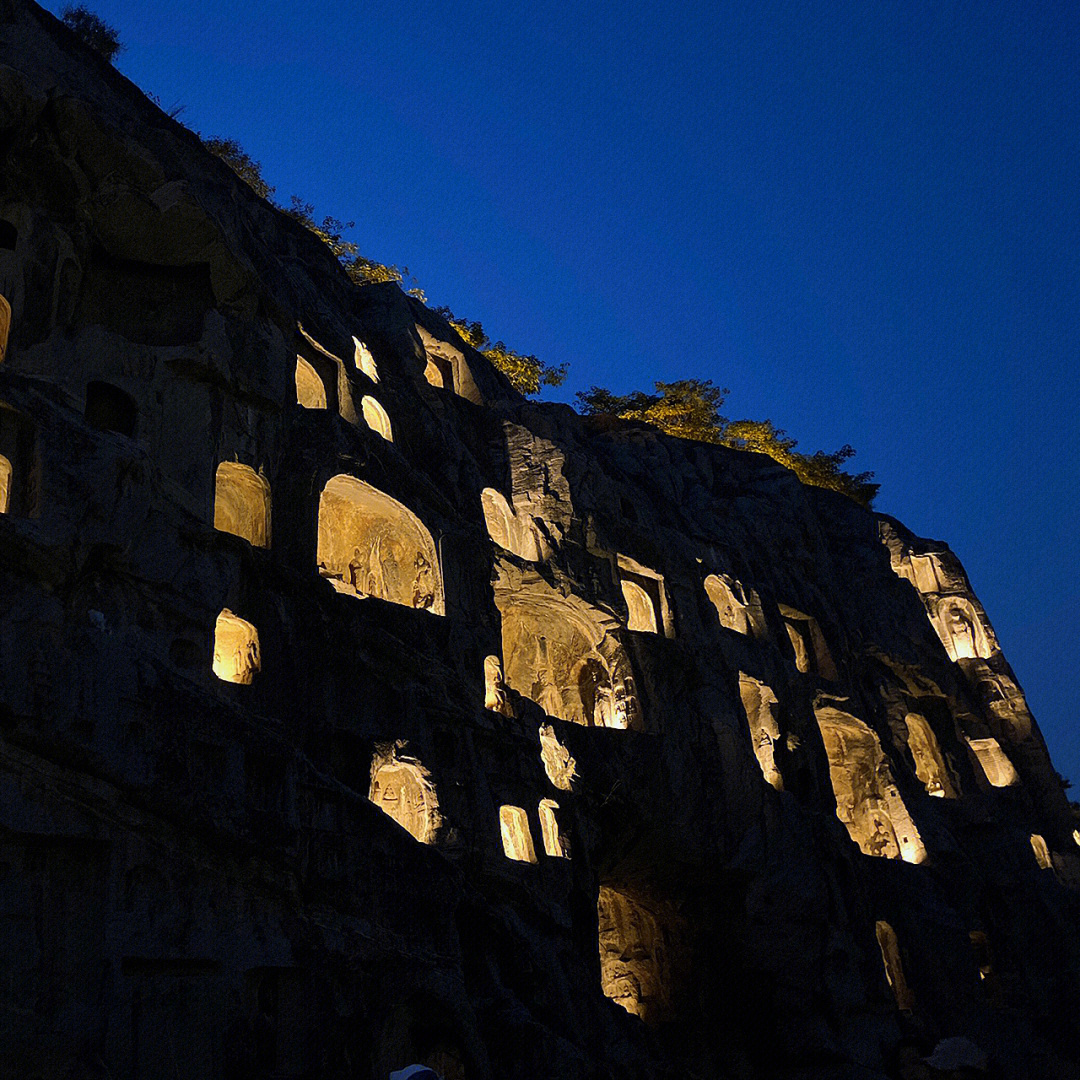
[329, 746]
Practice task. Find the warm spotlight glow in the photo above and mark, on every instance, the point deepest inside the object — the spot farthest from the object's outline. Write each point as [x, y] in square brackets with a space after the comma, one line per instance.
[1042, 852]
[997, 768]
[375, 417]
[5, 326]
[516, 837]
[242, 503]
[402, 788]
[364, 361]
[762, 710]
[894, 971]
[558, 764]
[310, 391]
[5, 485]
[236, 649]
[549, 829]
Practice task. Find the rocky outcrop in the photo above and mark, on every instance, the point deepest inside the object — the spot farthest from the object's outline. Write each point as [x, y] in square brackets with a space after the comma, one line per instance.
[355, 712]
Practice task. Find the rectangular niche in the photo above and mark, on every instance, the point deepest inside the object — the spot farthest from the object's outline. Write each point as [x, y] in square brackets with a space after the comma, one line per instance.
[996, 767]
[645, 597]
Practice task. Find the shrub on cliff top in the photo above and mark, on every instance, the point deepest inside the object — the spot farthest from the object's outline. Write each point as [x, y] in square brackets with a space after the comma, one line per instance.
[92, 30]
[690, 409]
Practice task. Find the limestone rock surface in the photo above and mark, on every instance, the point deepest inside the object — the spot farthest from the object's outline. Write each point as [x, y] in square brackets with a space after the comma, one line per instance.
[355, 712]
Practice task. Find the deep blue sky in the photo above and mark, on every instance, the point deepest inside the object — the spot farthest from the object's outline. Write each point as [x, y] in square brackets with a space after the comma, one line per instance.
[863, 220]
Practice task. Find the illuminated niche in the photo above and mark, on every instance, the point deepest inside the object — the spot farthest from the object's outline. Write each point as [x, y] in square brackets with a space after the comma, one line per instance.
[1042, 852]
[926, 753]
[5, 484]
[364, 361]
[812, 656]
[560, 767]
[961, 630]
[310, 389]
[894, 971]
[634, 955]
[242, 503]
[236, 649]
[516, 836]
[762, 709]
[867, 800]
[495, 696]
[5, 326]
[737, 607]
[371, 545]
[996, 767]
[549, 830]
[512, 531]
[566, 656]
[401, 787]
[375, 417]
[645, 597]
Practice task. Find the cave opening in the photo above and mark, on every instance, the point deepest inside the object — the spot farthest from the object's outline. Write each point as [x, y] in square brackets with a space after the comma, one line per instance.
[242, 503]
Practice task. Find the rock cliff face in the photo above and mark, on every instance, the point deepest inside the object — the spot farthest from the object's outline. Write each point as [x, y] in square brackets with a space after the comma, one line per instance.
[355, 712]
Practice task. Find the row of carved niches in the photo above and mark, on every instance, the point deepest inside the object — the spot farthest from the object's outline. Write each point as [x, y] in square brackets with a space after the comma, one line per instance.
[368, 543]
[314, 390]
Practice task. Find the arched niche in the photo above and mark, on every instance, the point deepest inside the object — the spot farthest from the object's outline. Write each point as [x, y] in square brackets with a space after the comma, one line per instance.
[375, 417]
[495, 696]
[957, 623]
[5, 326]
[19, 477]
[310, 389]
[635, 955]
[737, 607]
[560, 767]
[645, 597]
[996, 767]
[926, 753]
[108, 408]
[1041, 851]
[812, 656]
[867, 799]
[640, 607]
[402, 788]
[549, 830]
[762, 711]
[512, 531]
[236, 649]
[242, 503]
[566, 656]
[372, 545]
[894, 970]
[516, 836]
[364, 361]
[5, 484]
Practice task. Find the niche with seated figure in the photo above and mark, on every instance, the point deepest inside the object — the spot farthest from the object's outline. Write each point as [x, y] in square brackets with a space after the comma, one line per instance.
[108, 408]
[961, 630]
[762, 712]
[812, 656]
[236, 649]
[566, 656]
[867, 800]
[5, 326]
[242, 503]
[894, 969]
[737, 607]
[926, 753]
[996, 767]
[516, 835]
[401, 787]
[372, 545]
[310, 389]
[512, 531]
[639, 948]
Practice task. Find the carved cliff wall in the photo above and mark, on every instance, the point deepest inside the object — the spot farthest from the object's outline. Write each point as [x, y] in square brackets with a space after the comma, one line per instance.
[354, 711]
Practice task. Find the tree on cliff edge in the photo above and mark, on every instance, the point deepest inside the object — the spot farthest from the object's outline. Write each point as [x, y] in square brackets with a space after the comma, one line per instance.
[92, 30]
[690, 409]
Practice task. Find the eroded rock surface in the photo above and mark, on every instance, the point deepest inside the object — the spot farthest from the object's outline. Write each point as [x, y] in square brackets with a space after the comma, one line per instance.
[355, 712]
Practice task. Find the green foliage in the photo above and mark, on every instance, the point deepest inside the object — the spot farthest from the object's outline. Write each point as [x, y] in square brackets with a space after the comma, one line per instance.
[241, 163]
[690, 409]
[526, 373]
[92, 30]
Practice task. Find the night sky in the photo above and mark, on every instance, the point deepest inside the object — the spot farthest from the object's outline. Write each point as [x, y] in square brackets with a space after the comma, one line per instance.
[863, 220]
